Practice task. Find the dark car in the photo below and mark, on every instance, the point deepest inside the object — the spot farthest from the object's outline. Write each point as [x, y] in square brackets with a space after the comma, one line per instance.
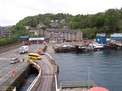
[14, 60]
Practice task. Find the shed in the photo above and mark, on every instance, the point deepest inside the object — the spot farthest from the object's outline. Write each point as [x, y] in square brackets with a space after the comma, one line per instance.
[101, 38]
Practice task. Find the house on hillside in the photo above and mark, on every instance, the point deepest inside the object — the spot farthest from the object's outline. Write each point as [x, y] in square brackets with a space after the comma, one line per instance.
[58, 23]
[54, 24]
[63, 35]
[41, 24]
[36, 32]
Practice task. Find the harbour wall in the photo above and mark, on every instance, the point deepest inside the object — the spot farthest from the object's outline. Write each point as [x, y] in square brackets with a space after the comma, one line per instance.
[16, 79]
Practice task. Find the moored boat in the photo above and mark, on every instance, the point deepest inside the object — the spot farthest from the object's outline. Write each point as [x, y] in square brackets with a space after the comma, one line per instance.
[96, 45]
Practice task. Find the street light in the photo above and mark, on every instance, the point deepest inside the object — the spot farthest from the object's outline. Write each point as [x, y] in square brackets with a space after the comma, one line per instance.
[89, 73]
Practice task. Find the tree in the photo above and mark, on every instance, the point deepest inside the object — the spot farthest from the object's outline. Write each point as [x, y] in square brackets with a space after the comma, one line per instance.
[47, 21]
[98, 20]
[112, 20]
[89, 33]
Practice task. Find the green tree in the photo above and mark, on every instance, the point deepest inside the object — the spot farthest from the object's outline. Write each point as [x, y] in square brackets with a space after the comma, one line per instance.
[98, 20]
[89, 33]
[47, 21]
[112, 20]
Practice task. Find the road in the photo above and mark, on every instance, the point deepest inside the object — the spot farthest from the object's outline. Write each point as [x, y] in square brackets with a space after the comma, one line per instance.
[6, 68]
[48, 70]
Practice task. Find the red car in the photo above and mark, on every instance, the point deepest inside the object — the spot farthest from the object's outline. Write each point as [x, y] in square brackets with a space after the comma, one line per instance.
[40, 52]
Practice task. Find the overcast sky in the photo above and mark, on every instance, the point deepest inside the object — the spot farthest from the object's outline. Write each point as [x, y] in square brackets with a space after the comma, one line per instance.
[11, 11]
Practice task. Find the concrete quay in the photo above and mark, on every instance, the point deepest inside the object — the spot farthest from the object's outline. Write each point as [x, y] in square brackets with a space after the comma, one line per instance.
[47, 77]
[9, 81]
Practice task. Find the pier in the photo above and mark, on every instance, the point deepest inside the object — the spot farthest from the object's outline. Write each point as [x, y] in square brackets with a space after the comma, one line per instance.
[77, 47]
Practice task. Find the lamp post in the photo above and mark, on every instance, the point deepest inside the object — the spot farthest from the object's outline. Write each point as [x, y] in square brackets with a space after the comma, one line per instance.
[89, 73]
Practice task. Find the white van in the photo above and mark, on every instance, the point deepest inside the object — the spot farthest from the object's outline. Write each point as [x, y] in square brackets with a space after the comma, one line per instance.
[23, 49]
[14, 60]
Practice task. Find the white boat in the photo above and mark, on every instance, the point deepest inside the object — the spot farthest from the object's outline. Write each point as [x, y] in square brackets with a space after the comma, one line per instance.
[96, 45]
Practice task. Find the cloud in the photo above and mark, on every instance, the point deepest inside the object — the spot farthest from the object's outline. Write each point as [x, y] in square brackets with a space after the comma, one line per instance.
[11, 11]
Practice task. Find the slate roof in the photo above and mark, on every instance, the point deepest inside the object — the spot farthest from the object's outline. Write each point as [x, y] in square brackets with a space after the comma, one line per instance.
[116, 35]
[62, 30]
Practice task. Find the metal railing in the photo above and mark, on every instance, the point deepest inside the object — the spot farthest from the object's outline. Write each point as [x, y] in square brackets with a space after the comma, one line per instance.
[32, 87]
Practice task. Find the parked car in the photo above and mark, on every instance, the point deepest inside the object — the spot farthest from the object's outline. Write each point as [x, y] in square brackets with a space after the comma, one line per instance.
[14, 60]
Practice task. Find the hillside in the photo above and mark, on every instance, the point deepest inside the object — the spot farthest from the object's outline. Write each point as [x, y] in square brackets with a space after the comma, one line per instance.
[107, 22]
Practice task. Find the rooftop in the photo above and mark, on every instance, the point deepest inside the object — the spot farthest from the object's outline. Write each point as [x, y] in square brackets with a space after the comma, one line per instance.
[116, 35]
[62, 30]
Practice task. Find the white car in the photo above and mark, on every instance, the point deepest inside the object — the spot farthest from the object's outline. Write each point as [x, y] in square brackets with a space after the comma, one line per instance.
[14, 60]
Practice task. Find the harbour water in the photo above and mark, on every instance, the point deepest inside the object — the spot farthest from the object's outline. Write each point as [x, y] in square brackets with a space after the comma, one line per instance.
[105, 68]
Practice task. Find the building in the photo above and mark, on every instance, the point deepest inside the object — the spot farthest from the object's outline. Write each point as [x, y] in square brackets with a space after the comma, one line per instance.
[101, 38]
[63, 35]
[24, 40]
[41, 24]
[116, 38]
[5, 32]
[54, 24]
[36, 32]
[36, 40]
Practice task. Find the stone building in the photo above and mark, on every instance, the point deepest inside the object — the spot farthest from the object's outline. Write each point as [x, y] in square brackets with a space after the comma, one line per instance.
[5, 32]
[63, 35]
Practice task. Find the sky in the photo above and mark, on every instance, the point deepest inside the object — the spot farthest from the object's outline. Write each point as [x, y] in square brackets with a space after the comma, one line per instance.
[12, 11]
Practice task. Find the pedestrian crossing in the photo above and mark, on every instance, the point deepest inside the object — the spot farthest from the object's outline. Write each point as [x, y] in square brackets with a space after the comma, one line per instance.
[46, 79]
[47, 76]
